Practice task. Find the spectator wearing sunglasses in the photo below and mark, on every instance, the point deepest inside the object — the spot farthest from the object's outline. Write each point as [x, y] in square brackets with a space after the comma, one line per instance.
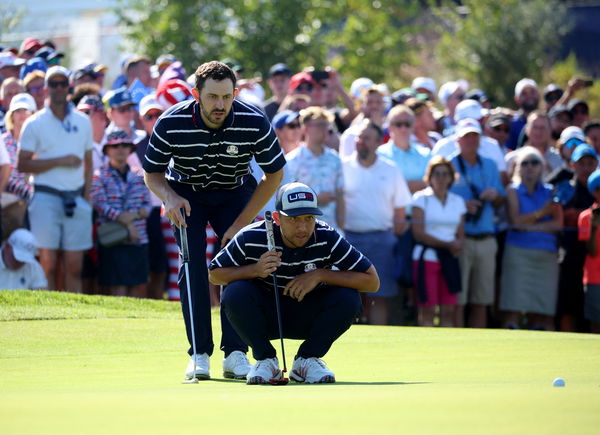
[530, 267]
[450, 94]
[580, 111]
[56, 147]
[560, 118]
[34, 85]
[93, 107]
[121, 113]
[119, 194]
[569, 139]
[498, 127]
[552, 94]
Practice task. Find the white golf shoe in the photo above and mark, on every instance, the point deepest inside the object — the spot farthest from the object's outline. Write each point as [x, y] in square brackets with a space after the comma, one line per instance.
[236, 365]
[264, 371]
[312, 371]
[198, 367]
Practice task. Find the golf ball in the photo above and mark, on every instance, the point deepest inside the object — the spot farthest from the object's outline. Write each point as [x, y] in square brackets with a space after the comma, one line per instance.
[558, 382]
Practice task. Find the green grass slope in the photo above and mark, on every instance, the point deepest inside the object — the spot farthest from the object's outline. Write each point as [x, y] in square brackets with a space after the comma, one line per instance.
[114, 365]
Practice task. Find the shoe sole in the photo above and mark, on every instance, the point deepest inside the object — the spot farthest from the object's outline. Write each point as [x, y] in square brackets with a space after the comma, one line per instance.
[257, 380]
[231, 375]
[324, 380]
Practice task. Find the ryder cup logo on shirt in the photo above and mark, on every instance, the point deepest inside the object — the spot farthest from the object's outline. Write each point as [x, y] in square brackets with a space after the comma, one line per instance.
[232, 150]
[309, 267]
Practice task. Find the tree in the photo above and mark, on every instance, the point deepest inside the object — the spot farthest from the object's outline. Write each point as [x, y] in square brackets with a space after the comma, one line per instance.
[496, 43]
[10, 16]
[359, 38]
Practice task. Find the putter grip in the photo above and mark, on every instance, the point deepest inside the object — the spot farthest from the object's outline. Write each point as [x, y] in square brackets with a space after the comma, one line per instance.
[269, 227]
[185, 251]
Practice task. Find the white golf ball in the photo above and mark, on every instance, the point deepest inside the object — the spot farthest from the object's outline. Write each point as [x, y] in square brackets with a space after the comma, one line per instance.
[558, 382]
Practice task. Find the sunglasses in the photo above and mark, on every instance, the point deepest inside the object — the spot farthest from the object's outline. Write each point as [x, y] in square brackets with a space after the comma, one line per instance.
[532, 163]
[399, 124]
[62, 84]
[119, 145]
[35, 89]
[151, 116]
[501, 128]
[124, 109]
[293, 125]
[580, 112]
[304, 88]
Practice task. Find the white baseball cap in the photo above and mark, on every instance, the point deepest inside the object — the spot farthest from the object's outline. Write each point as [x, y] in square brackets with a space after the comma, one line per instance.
[466, 126]
[148, 103]
[358, 85]
[22, 101]
[425, 83]
[55, 71]
[469, 109]
[23, 245]
[296, 199]
[522, 84]
[572, 132]
[448, 89]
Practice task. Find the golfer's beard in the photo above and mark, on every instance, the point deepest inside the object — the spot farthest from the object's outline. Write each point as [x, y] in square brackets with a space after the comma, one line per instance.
[530, 106]
[209, 115]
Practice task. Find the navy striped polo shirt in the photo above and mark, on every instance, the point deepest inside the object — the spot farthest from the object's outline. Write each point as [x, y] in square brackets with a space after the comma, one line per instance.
[191, 153]
[325, 249]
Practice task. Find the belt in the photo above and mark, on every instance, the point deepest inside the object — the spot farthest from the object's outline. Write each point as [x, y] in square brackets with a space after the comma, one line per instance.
[57, 192]
[482, 236]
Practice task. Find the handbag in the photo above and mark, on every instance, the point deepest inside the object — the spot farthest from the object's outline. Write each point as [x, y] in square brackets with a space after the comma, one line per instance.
[112, 233]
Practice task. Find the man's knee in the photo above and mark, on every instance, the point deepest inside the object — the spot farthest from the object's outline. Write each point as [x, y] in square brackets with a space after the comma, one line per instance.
[236, 295]
[347, 301]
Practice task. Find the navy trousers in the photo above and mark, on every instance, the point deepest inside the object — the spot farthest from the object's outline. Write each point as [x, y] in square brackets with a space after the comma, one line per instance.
[320, 319]
[219, 208]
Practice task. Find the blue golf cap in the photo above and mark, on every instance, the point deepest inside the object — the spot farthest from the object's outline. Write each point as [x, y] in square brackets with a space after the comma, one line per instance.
[583, 150]
[284, 118]
[594, 181]
[118, 97]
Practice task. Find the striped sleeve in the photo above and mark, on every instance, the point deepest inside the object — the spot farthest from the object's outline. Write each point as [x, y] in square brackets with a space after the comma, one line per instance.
[158, 152]
[267, 152]
[346, 257]
[231, 255]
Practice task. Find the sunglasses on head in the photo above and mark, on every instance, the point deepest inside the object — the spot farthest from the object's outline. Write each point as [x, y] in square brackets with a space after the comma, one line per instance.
[151, 116]
[61, 83]
[406, 124]
[124, 109]
[533, 162]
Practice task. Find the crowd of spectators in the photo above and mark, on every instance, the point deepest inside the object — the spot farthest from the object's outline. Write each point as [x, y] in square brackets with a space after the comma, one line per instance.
[473, 214]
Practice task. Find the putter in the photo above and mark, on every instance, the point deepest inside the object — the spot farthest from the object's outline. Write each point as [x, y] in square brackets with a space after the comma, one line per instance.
[185, 259]
[271, 246]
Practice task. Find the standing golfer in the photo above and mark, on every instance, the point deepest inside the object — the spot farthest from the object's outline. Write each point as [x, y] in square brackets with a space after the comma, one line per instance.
[197, 160]
[318, 304]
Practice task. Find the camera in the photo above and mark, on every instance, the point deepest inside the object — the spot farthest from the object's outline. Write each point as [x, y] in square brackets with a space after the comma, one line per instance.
[474, 217]
[319, 76]
[69, 204]
[588, 83]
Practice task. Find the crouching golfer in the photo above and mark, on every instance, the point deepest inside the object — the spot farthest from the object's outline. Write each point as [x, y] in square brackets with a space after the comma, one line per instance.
[318, 304]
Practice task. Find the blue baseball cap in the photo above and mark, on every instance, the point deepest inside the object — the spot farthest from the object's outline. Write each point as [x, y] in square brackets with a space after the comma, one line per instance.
[284, 118]
[118, 97]
[582, 151]
[594, 181]
[33, 64]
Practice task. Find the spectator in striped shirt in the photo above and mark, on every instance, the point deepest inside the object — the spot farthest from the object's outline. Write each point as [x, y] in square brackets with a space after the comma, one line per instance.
[318, 304]
[119, 194]
[205, 146]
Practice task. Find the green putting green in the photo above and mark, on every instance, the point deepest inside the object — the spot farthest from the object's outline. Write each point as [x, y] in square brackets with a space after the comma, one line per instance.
[92, 364]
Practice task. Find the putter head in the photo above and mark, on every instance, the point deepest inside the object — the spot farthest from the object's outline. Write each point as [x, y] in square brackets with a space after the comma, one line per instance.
[281, 381]
[190, 381]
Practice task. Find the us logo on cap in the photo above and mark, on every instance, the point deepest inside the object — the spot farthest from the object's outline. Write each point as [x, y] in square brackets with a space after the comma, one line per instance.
[300, 196]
